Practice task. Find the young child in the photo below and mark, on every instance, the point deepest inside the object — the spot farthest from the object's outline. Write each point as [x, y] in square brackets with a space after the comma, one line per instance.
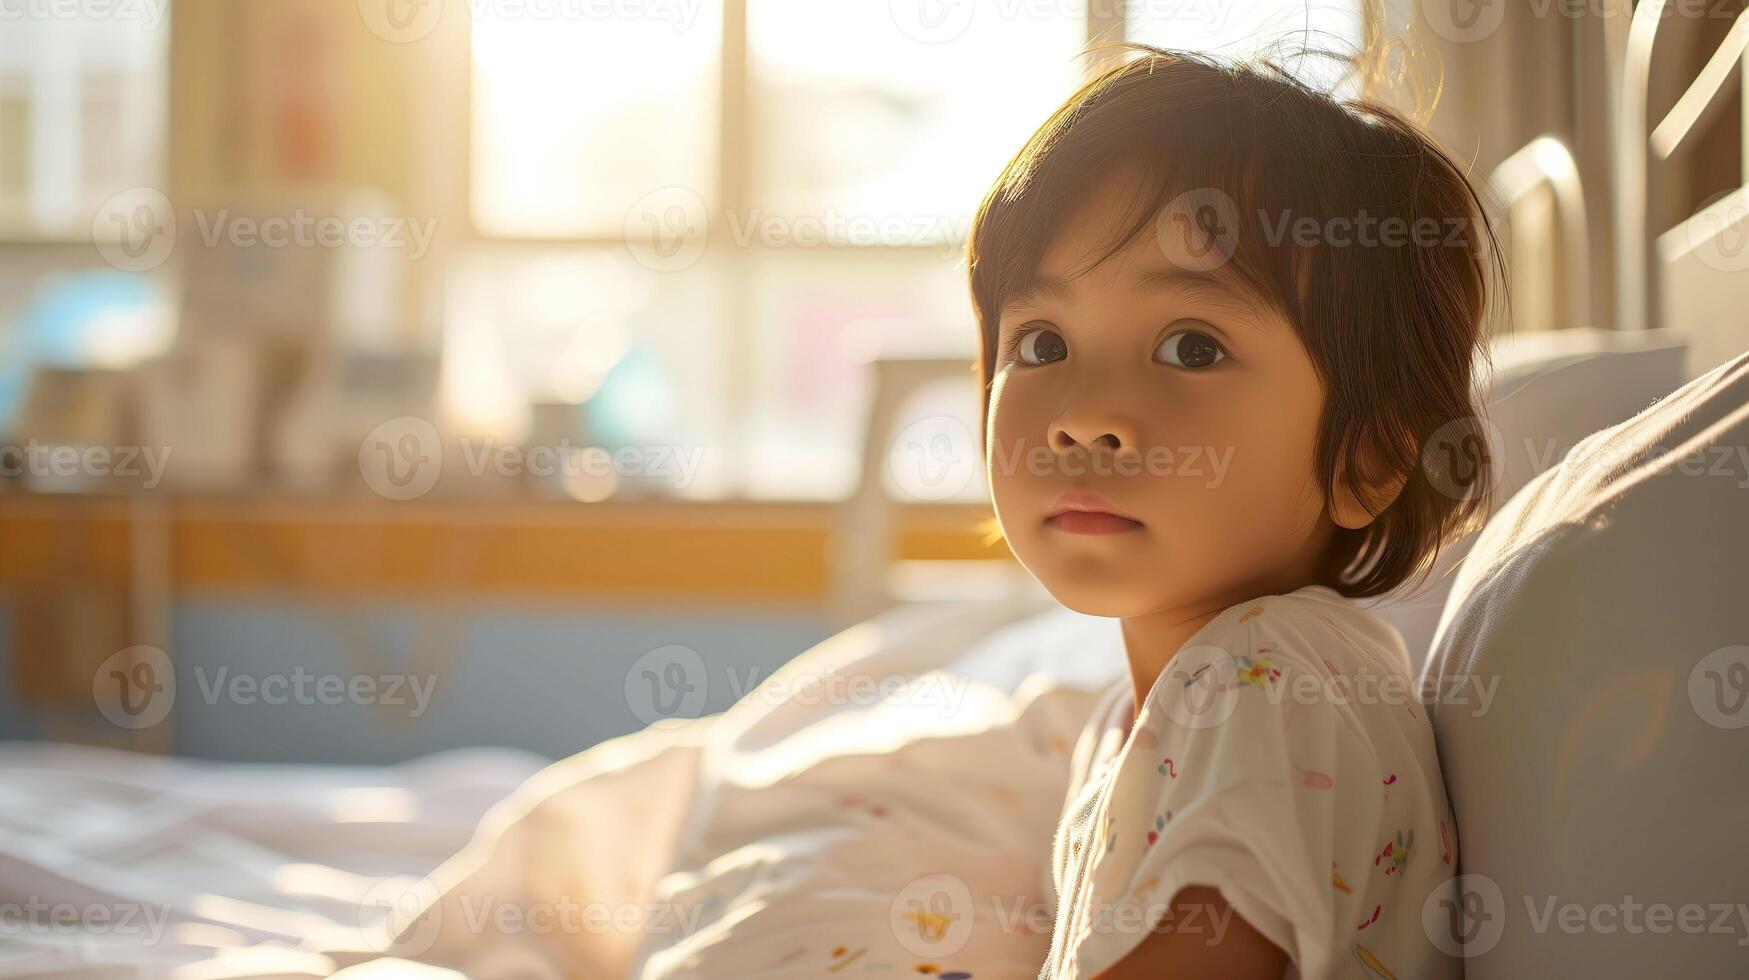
[1229, 325]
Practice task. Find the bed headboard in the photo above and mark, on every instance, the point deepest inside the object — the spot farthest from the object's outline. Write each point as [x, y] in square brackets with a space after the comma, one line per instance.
[1548, 235]
[1688, 275]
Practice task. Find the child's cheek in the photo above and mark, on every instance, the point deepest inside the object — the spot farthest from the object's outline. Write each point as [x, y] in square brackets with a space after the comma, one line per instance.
[1012, 433]
[998, 428]
[1262, 487]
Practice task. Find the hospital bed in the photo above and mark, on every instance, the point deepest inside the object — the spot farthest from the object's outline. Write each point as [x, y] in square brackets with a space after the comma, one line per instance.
[1605, 597]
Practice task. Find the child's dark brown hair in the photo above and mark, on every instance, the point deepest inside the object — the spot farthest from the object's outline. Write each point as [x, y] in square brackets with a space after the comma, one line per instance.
[1393, 324]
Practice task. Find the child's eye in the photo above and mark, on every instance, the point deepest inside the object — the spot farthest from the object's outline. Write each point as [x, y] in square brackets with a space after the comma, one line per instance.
[1041, 345]
[1189, 349]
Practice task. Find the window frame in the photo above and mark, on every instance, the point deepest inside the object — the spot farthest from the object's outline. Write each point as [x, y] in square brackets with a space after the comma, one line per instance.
[17, 228]
[1104, 21]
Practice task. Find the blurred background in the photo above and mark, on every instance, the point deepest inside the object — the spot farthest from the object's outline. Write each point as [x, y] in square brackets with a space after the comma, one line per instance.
[386, 376]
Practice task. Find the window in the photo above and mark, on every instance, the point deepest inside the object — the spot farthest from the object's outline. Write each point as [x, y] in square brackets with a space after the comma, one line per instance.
[1240, 30]
[82, 114]
[697, 230]
[83, 111]
[577, 118]
[853, 114]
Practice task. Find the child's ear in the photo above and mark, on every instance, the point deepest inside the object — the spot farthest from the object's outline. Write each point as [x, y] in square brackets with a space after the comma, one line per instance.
[1380, 483]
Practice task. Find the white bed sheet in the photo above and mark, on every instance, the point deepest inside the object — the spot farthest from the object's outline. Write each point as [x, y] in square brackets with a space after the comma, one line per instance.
[752, 830]
[114, 864]
[252, 871]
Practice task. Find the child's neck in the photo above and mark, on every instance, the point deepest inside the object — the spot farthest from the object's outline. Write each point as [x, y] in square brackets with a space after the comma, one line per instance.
[1153, 639]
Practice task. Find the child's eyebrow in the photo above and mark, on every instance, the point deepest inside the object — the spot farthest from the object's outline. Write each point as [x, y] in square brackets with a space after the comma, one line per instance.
[1216, 289]
[1040, 287]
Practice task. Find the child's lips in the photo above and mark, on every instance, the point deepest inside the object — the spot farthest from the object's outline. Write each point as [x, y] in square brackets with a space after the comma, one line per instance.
[1082, 512]
[1091, 522]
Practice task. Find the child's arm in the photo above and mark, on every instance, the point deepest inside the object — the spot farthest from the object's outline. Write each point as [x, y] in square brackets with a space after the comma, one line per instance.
[1201, 936]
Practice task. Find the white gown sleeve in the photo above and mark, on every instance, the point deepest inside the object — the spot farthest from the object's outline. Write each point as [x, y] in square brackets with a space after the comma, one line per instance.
[1243, 773]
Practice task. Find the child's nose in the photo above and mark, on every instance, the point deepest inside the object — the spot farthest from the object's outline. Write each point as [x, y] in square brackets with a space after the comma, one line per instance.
[1091, 433]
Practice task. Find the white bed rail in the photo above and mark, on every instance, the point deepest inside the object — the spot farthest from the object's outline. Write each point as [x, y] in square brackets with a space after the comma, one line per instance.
[1646, 276]
[1544, 200]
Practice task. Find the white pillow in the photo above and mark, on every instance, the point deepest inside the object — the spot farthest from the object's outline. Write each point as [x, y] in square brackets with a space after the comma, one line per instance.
[1607, 775]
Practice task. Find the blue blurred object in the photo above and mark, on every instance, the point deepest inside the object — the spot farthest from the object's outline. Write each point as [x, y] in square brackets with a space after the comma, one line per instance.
[57, 324]
[635, 403]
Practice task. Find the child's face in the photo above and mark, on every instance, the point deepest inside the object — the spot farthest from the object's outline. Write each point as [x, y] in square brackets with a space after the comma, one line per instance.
[1165, 398]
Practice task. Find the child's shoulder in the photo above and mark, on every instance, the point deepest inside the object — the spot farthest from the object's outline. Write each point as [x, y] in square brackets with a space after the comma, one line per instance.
[1314, 626]
[1309, 654]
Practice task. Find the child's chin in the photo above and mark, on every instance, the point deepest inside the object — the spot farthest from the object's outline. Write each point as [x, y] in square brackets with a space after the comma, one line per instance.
[1090, 596]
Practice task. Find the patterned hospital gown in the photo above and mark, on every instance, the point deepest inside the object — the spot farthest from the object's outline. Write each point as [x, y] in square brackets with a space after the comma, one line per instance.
[1284, 758]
